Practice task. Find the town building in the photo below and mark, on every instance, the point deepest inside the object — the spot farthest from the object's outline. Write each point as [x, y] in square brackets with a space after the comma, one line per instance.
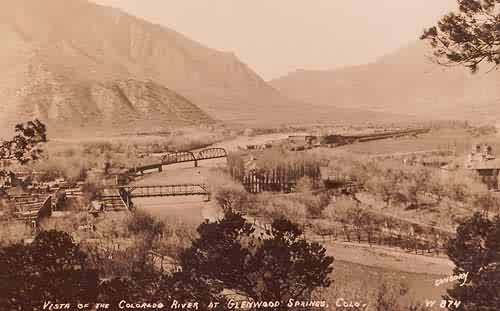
[483, 161]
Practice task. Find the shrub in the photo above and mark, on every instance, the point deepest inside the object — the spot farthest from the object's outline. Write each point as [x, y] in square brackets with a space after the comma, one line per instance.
[279, 207]
[304, 184]
[341, 209]
[176, 239]
[7, 210]
[14, 232]
[389, 297]
[99, 147]
[68, 224]
[72, 169]
[315, 204]
[232, 199]
[90, 191]
[142, 222]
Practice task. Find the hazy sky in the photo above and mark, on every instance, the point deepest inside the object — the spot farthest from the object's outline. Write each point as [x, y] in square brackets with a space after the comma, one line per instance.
[278, 36]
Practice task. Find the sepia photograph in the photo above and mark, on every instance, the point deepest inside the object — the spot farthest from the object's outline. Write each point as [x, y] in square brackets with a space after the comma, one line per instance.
[250, 155]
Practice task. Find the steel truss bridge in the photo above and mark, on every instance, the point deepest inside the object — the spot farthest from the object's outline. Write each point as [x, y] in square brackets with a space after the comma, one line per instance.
[125, 194]
[182, 157]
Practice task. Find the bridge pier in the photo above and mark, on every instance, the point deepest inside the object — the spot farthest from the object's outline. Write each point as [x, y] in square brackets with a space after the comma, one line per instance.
[160, 168]
[195, 163]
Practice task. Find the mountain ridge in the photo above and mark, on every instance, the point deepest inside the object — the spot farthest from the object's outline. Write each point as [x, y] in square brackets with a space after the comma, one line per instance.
[403, 82]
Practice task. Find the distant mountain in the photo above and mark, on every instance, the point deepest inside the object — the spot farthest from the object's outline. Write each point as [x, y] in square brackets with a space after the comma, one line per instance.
[405, 82]
[78, 64]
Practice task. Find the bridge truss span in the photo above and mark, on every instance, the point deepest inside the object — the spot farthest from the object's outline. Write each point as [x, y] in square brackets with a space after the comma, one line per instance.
[181, 157]
[195, 156]
[178, 157]
[125, 194]
[211, 153]
[167, 190]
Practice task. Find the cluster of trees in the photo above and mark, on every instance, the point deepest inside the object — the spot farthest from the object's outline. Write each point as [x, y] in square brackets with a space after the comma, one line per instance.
[278, 157]
[125, 243]
[298, 207]
[269, 162]
[413, 186]
[227, 257]
[416, 186]
[360, 224]
[73, 161]
[26, 148]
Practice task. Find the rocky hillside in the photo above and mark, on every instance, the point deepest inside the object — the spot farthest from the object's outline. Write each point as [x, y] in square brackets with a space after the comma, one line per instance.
[405, 82]
[114, 106]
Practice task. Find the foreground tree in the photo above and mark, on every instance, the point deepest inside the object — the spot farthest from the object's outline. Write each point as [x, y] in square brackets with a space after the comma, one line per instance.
[24, 146]
[228, 261]
[186, 287]
[476, 253]
[50, 270]
[469, 37]
[276, 265]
